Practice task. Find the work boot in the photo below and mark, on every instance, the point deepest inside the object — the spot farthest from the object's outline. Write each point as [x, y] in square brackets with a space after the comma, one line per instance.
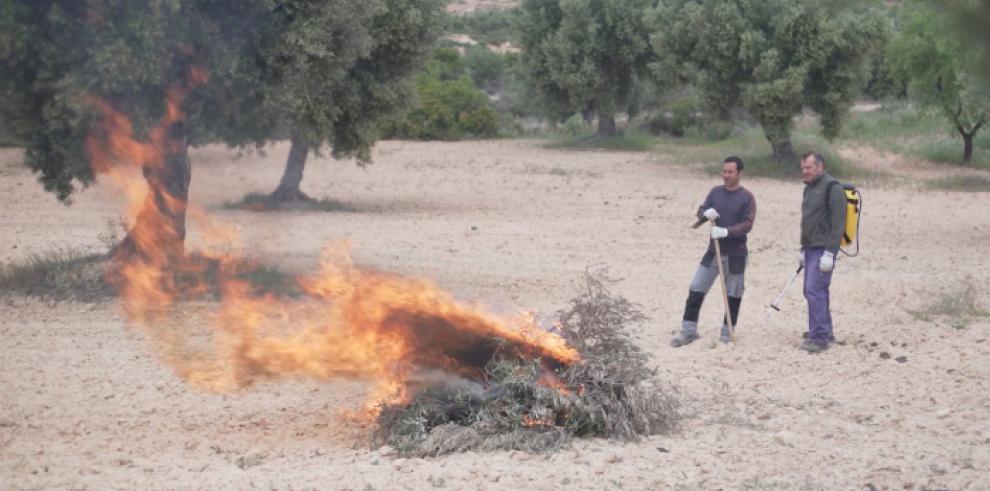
[724, 336]
[831, 338]
[683, 338]
[812, 347]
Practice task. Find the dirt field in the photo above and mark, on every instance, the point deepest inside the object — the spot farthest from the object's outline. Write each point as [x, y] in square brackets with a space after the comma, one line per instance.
[86, 405]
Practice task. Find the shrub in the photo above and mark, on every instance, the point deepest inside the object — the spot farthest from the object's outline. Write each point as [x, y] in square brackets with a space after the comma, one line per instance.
[684, 117]
[486, 68]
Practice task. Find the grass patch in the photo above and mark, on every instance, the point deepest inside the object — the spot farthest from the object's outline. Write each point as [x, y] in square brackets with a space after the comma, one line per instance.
[264, 202]
[948, 150]
[200, 277]
[610, 393]
[966, 184]
[59, 274]
[957, 307]
[559, 171]
[751, 145]
[922, 133]
[629, 140]
[73, 274]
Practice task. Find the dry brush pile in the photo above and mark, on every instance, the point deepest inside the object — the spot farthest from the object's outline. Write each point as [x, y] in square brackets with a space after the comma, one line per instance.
[528, 405]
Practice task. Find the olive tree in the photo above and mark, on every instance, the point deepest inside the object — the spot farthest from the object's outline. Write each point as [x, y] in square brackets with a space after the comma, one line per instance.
[584, 55]
[942, 69]
[334, 72]
[60, 60]
[771, 57]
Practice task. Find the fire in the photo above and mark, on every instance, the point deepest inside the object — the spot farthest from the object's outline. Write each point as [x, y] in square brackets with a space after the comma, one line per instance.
[349, 322]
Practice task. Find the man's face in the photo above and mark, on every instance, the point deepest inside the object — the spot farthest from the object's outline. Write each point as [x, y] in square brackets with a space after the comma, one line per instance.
[730, 174]
[811, 169]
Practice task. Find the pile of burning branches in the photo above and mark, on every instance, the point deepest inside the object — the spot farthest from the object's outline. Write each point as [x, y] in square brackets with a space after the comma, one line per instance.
[536, 406]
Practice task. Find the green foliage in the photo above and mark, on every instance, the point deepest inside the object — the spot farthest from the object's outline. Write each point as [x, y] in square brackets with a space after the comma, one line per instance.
[329, 70]
[772, 57]
[919, 132]
[447, 106]
[518, 96]
[486, 68]
[675, 116]
[712, 131]
[56, 52]
[584, 55]
[749, 143]
[486, 27]
[687, 117]
[445, 64]
[891, 124]
[941, 68]
[881, 82]
[340, 69]
[628, 140]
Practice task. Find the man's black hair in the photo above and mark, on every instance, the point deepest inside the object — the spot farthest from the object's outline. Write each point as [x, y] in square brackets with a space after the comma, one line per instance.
[734, 160]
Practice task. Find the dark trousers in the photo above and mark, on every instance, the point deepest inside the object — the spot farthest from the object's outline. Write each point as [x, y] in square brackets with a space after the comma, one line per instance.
[816, 286]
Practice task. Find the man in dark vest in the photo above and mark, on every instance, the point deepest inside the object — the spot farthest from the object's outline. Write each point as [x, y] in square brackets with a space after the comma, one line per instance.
[823, 218]
[732, 208]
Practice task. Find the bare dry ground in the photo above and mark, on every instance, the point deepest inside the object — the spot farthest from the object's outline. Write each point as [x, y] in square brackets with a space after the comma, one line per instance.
[87, 405]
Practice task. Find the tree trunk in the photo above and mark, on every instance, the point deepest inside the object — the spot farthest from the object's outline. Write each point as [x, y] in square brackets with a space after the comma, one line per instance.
[588, 114]
[606, 125]
[783, 152]
[288, 187]
[159, 232]
[967, 147]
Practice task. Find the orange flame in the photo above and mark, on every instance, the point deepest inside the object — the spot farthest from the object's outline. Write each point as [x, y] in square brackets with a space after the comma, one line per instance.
[350, 323]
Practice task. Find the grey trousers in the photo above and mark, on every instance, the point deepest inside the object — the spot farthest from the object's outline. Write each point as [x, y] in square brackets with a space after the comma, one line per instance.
[704, 278]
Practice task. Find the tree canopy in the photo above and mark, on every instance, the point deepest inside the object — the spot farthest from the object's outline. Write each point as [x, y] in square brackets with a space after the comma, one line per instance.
[328, 73]
[325, 71]
[584, 55]
[771, 57]
[54, 53]
[942, 69]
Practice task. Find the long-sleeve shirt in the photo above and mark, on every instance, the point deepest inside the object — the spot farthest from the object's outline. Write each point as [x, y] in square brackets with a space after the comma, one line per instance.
[823, 218]
[736, 212]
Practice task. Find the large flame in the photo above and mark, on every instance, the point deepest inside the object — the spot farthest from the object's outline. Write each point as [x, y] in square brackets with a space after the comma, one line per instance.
[348, 323]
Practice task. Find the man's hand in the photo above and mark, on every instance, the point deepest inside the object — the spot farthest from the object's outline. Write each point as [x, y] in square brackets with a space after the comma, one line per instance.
[711, 214]
[801, 258]
[719, 232]
[827, 262]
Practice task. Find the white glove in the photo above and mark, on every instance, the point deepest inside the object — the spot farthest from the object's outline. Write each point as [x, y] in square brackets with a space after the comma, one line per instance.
[801, 258]
[711, 214]
[719, 232]
[826, 263]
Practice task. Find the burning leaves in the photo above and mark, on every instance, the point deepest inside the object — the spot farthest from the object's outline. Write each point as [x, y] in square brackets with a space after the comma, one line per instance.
[346, 323]
[610, 392]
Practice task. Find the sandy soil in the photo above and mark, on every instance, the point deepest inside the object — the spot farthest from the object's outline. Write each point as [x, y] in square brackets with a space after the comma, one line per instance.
[87, 405]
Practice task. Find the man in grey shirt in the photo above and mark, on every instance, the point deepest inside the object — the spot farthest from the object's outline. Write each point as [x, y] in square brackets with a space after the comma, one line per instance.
[733, 209]
[823, 219]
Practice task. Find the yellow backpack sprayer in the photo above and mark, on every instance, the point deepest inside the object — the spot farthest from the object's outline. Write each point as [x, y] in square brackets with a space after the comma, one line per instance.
[854, 208]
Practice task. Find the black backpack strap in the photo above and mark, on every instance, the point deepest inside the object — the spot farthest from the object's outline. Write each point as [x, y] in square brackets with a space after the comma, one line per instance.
[828, 192]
